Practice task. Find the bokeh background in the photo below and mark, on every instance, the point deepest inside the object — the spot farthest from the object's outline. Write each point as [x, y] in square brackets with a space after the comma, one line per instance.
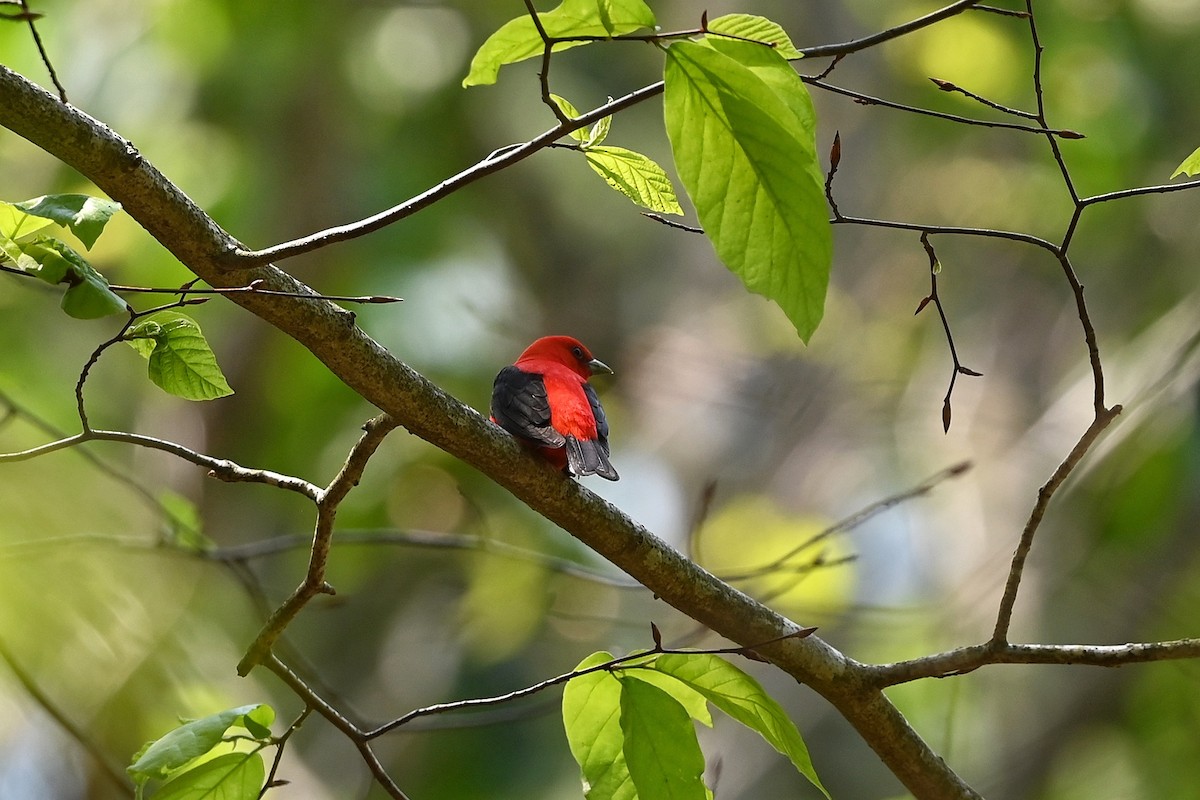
[285, 118]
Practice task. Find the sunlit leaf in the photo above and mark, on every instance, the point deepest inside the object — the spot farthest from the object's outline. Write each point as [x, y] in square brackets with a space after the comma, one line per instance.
[233, 776]
[181, 361]
[661, 750]
[86, 216]
[636, 176]
[591, 708]
[735, 114]
[16, 222]
[518, 39]
[1190, 165]
[694, 702]
[580, 135]
[743, 698]
[758, 29]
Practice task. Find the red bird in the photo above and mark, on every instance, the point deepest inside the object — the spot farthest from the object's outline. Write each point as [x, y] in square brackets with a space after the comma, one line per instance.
[544, 399]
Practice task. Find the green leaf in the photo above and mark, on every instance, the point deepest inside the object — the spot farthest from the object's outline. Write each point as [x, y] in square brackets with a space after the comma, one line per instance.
[39, 257]
[88, 295]
[1190, 165]
[599, 131]
[758, 29]
[564, 105]
[91, 298]
[16, 222]
[744, 699]
[591, 707]
[181, 362]
[736, 115]
[635, 176]
[518, 39]
[695, 703]
[233, 776]
[661, 750]
[86, 216]
[191, 740]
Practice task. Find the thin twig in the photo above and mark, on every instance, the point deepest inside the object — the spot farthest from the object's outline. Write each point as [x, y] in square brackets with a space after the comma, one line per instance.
[280, 746]
[968, 659]
[670, 223]
[1016, 570]
[29, 18]
[431, 539]
[254, 287]
[220, 468]
[626, 661]
[932, 297]
[947, 86]
[327, 501]
[510, 154]
[859, 518]
[853, 46]
[870, 100]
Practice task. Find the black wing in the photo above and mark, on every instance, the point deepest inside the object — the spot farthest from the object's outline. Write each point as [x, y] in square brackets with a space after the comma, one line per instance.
[591, 457]
[520, 406]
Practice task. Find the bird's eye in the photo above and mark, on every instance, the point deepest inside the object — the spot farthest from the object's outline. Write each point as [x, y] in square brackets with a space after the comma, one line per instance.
[577, 352]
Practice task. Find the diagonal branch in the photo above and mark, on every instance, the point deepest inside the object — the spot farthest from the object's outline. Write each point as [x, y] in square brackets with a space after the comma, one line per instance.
[424, 409]
[328, 501]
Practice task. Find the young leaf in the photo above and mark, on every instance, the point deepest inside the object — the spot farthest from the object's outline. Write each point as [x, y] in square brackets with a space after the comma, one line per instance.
[86, 216]
[564, 105]
[591, 707]
[661, 750]
[181, 362]
[635, 176]
[739, 120]
[233, 776]
[599, 131]
[758, 29]
[54, 261]
[1190, 165]
[744, 699]
[518, 39]
[191, 740]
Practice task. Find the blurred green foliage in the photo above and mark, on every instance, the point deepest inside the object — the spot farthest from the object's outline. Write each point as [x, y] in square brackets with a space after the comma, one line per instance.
[282, 119]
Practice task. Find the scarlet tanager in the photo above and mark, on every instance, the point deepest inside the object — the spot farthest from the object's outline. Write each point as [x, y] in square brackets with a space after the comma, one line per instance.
[545, 400]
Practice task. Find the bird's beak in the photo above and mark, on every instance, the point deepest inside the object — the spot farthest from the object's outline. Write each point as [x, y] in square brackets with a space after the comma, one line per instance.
[596, 365]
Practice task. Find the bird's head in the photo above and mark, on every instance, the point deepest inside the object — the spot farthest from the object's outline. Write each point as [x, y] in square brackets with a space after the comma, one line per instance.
[567, 351]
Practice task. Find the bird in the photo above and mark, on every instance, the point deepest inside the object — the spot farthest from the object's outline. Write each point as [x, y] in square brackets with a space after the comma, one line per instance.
[545, 400]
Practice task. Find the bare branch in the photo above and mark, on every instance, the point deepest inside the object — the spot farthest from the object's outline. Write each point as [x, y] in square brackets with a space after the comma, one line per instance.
[30, 18]
[1009, 599]
[869, 100]
[969, 659]
[328, 501]
[220, 468]
[932, 297]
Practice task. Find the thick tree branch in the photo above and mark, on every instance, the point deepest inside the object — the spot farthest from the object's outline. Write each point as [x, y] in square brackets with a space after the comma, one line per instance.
[329, 332]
